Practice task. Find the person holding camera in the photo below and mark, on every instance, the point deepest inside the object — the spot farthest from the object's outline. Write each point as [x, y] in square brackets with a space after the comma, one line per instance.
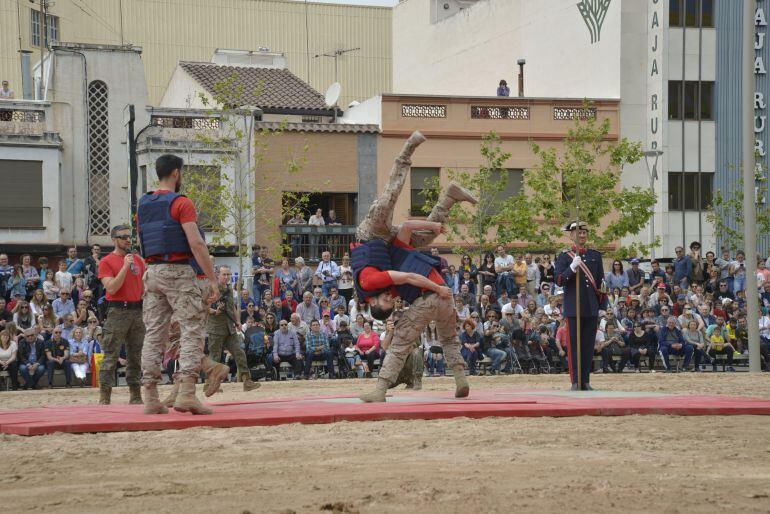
[328, 272]
[738, 272]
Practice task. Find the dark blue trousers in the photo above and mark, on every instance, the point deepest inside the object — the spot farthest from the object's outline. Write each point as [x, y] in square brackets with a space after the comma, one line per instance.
[587, 340]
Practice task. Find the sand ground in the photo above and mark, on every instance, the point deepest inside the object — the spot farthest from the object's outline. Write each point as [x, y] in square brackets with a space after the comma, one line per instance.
[588, 464]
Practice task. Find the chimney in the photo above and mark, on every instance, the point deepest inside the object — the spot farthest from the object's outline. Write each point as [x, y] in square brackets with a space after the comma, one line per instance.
[521, 63]
[26, 75]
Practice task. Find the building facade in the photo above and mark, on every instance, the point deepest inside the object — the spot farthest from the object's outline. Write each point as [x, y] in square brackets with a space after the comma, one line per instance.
[170, 31]
[672, 64]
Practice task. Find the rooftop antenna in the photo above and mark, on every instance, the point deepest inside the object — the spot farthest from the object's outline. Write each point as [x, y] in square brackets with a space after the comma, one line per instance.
[335, 54]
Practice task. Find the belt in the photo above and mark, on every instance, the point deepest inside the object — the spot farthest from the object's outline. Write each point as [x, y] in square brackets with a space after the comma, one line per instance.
[177, 263]
[124, 305]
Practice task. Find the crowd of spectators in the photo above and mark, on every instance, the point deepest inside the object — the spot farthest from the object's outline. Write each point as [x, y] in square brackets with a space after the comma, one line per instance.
[508, 316]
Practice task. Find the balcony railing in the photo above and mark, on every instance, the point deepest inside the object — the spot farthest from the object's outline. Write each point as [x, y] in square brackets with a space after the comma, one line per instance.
[309, 241]
[19, 117]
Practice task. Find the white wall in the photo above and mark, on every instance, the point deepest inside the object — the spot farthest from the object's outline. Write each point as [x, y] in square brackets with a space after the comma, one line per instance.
[468, 53]
[184, 92]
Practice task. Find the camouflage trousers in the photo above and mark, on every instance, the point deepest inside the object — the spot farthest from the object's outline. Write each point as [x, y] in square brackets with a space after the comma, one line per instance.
[414, 365]
[427, 308]
[378, 223]
[232, 344]
[122, 326]
[172, 292]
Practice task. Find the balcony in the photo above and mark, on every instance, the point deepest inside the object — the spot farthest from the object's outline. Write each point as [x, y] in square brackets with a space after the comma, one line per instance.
[22, 118]
[309, 241]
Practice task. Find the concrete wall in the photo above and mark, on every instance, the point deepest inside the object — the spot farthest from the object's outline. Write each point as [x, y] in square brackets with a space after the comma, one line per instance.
[469, 52]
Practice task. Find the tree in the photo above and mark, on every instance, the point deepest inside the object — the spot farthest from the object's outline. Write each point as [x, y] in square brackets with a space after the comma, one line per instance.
[729, 204]
[479, 224]
[230, 203]
[586, 173]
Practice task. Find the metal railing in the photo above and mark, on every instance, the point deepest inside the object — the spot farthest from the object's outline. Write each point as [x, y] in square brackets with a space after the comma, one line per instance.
[309, 241]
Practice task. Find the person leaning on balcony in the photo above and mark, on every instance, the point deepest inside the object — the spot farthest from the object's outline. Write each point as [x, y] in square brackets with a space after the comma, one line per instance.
[503, 89]
[6, 93]
[316, 219]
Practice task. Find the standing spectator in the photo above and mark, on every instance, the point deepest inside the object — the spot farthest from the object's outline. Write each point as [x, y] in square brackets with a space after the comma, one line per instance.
[546, 269]
[532, 275]
[57, 353]
[763, 274]
[466, 265]
[332, 219]
[368, 345]
[723, 263]
[519, 271]
[296, 239]
[289, 302]
[63, 278]
[44, 271]
[30, 273]
[286, 278]
[5, 273]
[328, 272]
[617, 278]
[345, 283]
[682, 268]
[443, 263]
[304, 276]
[80, 354]
[63, 305]
[31, 357]
[91, 270]
[635, 277]
[698, 274]
[738, 272]
[316, 220]
[504, 268]
[74, 265]
[16, 285]
[246, 299]
[50, 287]
[487, 271]
[6, 93]
[318, 349]
[262, 267]
[8, 358]
[503, 89]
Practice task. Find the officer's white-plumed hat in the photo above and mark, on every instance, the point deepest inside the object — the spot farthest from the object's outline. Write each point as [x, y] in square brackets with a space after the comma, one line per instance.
[573, 225]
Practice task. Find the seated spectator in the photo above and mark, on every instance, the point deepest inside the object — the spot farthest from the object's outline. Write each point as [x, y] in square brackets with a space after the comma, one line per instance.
[471, 345]
[308, 310]
[466, 280]
[256, 342]
[22, 315]
[463, 313]
[271, 323]
[344, 340]
[335, 300]
[740, 344]
[6, 316]
[324, 307]
[47, 317]
[67, 326]
[368, 345]
[360, 308]
[492, 342]
[63, 305]
[642, 344]
[468, 298]
[617, 277]
[671, 342]
[250, 312]
[328, 327]
[357, 328]
[318, 348]
[9, 357]
[37, 303]
[289, 301]
[354, 359]
[562, 342]
[600, 346]
[246, 298]
[286, 348]
[279, 310]
[80, 354]
[341, 316]
[435, 353]
[31, 354]
[82, 313]
[719, 344]
[57, 353]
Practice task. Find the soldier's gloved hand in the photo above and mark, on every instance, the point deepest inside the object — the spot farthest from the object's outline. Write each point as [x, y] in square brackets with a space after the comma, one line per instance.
[576, 260]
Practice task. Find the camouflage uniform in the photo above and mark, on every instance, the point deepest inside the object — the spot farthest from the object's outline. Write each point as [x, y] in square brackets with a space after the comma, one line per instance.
[122, 326]
[171, 290]
[222, 332]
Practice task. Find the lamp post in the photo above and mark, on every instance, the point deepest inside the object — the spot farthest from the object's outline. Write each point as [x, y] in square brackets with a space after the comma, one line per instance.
[652, 174]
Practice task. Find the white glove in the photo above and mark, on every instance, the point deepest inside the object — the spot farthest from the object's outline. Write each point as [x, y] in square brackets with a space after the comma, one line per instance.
[575, 263]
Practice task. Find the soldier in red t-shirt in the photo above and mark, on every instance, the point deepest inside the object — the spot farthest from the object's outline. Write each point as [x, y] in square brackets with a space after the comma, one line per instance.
[121, 273]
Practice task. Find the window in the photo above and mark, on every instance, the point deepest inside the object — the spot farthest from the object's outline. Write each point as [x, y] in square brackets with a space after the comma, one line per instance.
[21, 197]
[513, 187]
[690, 100]
[691, 13]
[51, 26]
[421, 179]
[685, 187]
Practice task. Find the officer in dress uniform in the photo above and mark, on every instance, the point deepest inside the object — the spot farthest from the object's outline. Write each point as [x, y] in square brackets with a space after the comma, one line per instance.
[583, 264]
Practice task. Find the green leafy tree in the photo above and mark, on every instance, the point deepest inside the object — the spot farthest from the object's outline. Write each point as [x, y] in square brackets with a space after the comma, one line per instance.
[726, 204]
[478, 226]
[586, 174]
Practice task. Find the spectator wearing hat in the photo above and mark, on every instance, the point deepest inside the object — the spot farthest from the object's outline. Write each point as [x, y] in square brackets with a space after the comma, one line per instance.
[635, 277]
[616, 278]
[57, 353]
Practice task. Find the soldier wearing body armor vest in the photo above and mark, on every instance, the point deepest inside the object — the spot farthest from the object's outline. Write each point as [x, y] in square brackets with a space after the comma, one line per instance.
[385, 267]
[223, 329]
[175, 252]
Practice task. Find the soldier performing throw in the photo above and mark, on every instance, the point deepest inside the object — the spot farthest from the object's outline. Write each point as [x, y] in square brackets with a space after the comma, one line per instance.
[175, 251]
[382, 271]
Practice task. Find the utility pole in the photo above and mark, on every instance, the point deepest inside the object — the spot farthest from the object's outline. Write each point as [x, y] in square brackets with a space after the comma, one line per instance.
[43, 38]
[335, 54]
[749, 182]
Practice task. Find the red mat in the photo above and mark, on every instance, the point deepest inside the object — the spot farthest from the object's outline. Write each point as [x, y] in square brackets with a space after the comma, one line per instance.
[402, 405]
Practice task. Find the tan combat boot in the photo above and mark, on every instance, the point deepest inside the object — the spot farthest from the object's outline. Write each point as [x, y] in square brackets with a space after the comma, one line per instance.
[462, 388]
[378, 395]
[105, 394]
[169, 400]
[186, 401]
[135, 392]
[215, 375]
[417, 383]
[152, 403]
[459, 194]
[248, 383]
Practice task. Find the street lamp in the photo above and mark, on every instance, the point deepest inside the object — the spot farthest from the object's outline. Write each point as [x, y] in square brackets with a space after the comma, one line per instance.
[652, 174]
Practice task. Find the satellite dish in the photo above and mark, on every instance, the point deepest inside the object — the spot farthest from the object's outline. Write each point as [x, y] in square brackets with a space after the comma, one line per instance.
[333, 94]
